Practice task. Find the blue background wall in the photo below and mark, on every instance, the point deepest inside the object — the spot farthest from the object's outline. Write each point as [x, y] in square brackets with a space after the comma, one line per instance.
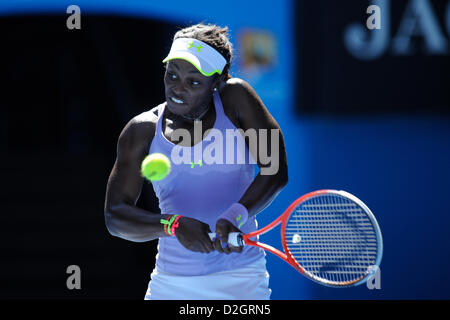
[397, 164]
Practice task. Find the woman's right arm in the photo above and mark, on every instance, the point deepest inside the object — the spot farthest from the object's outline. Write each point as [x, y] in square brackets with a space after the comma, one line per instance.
[125, 220]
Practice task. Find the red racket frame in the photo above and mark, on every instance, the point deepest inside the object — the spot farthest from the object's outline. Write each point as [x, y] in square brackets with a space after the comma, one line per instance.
[287, 256]
[282, 219]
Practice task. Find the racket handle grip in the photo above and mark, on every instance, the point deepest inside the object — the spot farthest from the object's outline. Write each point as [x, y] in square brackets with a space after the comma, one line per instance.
[234, 238]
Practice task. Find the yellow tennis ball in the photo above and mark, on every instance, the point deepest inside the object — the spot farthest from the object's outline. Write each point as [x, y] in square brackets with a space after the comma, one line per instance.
[155, 167]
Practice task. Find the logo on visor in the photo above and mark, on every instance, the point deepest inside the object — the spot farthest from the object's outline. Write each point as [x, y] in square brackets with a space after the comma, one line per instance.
[199, 47]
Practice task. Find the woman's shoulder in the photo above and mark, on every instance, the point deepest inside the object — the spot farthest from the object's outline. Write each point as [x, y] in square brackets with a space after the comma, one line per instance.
[236, 93]
[148, 118]
[235, 86]
[145, 121]
[237, 89]
[140, 130]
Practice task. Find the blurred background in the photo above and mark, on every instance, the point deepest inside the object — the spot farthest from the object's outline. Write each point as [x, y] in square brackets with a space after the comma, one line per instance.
[362, 110]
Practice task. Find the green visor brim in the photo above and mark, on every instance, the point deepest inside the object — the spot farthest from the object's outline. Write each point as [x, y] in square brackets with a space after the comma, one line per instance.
[197, 67]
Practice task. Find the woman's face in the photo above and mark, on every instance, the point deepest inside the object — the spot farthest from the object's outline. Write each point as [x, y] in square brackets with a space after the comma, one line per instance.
[188, 92]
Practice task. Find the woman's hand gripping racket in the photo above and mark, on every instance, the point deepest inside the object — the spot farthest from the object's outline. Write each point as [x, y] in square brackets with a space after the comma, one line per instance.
[329, 236]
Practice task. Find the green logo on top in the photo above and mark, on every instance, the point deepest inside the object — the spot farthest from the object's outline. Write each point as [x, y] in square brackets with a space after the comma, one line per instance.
[199, 163]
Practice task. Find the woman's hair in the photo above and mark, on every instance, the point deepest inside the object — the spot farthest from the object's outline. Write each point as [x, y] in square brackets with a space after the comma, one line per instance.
[213, 35]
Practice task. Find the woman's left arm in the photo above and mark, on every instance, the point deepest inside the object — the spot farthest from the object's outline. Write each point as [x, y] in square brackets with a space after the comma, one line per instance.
[268, 151]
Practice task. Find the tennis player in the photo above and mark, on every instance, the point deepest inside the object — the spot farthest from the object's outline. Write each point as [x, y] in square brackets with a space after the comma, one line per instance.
[198, 197]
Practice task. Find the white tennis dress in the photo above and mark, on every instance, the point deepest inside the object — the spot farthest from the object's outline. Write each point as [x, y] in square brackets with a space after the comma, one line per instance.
[246, 283]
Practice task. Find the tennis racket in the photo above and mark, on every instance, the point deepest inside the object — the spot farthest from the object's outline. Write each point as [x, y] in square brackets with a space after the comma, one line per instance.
[329, 236]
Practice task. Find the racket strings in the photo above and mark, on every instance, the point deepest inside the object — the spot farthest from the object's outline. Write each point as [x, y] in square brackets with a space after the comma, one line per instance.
[332, 238]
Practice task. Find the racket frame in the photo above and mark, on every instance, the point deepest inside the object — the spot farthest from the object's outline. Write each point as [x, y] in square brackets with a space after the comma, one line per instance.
[287, 256]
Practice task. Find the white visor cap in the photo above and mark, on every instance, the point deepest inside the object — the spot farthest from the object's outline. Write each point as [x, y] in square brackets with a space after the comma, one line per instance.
[204, 57]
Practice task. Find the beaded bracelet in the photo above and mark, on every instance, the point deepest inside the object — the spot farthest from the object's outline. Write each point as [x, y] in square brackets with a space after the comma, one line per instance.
[170, 224]
[175, 224]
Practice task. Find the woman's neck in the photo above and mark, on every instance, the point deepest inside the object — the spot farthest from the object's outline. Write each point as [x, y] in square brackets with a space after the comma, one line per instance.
[197, 116]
